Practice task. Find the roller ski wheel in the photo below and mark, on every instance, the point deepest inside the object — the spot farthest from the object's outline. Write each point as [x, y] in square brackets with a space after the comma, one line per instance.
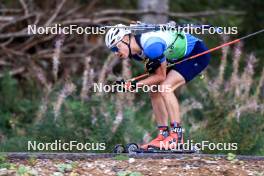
[119, 148]
[131, 148]
[197, 149]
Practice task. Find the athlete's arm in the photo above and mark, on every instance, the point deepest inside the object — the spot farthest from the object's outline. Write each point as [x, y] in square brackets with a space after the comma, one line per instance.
[156, 78]
[154, 51]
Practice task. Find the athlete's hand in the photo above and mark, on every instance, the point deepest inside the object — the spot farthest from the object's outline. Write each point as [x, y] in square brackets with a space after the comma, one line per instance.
[152, 65]
[127, 85]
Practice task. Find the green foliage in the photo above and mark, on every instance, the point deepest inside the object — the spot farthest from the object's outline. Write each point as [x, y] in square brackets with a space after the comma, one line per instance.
[64, 167]
[91, 121]
[4, 163]
[15, 144]
[229, 113]
[2, 158]
[17, 105]
[220, 128]
[84, 122]
[128, 173]
[231, 156]
[22, 170]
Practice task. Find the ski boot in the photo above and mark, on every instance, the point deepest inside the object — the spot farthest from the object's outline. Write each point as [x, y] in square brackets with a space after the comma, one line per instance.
[174, 141]
[163, 134]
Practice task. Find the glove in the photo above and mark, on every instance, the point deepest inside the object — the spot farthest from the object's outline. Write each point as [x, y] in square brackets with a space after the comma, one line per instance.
[152, 65]
[127, 85]
[120, 82]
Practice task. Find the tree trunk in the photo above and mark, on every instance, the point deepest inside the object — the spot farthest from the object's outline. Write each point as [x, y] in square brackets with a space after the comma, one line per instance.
[154, 5]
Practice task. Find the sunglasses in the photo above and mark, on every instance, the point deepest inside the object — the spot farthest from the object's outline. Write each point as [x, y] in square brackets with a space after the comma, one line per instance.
[114, 49]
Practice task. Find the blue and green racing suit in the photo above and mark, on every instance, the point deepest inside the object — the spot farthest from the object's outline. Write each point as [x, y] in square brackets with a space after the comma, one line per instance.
[172, 46]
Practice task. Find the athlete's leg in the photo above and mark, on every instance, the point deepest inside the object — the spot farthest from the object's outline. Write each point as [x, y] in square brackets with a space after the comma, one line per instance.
[159, 109]
[173, 81]
[161, 117]
[179, 75]
[165, 104]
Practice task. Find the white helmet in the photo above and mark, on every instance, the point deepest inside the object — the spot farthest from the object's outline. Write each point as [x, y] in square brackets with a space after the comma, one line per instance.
[115, 35]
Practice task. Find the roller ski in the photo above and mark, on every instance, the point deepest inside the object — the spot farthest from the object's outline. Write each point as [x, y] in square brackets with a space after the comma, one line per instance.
[166, 142]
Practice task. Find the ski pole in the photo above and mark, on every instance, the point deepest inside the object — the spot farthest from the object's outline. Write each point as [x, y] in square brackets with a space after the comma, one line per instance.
[138, 77]
[203, 53]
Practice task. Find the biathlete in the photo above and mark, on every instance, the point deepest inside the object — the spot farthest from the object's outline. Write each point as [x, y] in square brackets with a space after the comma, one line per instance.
[156, 49]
